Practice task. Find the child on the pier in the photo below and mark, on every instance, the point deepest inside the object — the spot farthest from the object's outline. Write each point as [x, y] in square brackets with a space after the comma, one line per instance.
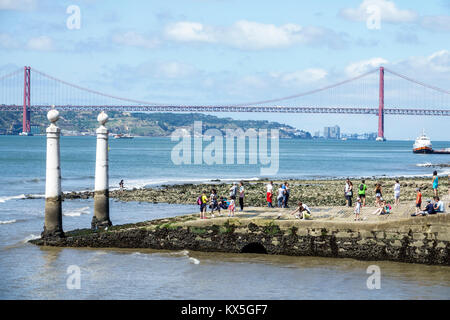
[357, 209]
[418, 201]
[231, 208]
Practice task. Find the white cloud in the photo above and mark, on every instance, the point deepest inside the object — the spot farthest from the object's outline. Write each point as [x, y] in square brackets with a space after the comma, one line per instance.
[300, 77]
[249, 35]
[134, 39]
[436, 23]
[254, 35]
[42, 43]
[440, 61]
[173, 69]
[388, 12]
[356, 68]
[17, 4]
[186, 31]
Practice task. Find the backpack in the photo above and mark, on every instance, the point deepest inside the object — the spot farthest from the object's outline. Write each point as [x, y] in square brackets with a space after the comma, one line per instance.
[361, 187]
[199, 200]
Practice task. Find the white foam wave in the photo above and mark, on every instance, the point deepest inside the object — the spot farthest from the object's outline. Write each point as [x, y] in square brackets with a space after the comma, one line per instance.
[30, 237]
[76, 212]
[194, 261]
[7, 198]
[8, 221]
[426, 164]
[182, 253]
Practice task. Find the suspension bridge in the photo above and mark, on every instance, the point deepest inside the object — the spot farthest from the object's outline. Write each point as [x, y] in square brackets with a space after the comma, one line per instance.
[378, 92]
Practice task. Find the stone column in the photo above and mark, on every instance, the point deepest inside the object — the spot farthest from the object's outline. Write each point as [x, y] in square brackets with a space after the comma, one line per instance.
[101, 196]
[53, 213]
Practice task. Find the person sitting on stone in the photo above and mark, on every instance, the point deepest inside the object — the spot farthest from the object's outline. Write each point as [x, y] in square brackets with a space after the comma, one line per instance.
[384, 209]
[438, 205]
[429, 209]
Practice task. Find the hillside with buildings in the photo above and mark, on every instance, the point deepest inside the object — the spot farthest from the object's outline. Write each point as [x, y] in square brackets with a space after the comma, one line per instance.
[140, 124]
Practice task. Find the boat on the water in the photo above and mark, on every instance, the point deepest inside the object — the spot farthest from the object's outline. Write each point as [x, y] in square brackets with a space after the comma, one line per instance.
[123, 136]
[423, 145]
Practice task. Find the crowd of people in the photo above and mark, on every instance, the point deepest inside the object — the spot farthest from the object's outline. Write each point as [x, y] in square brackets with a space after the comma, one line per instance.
[218, 204]
[303, 212]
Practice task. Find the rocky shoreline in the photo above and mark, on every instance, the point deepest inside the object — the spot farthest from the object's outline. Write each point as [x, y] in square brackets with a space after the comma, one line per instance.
[312, 192]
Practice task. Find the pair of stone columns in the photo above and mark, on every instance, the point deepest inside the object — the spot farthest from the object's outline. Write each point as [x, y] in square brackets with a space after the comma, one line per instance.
[53, 212]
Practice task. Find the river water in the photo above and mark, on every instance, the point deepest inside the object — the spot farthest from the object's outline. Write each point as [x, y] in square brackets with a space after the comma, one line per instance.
[30, 272]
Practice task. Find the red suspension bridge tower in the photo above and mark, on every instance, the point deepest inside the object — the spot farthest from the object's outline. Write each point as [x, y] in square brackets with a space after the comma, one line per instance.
[26, 121]
[381, 107]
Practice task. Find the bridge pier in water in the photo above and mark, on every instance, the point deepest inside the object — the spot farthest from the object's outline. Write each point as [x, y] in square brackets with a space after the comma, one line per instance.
[101, 195]
[53, 212]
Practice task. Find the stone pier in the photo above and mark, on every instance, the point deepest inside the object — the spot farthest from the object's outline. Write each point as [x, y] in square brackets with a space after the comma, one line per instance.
[423, 240]
[101, 196]
[53, 215]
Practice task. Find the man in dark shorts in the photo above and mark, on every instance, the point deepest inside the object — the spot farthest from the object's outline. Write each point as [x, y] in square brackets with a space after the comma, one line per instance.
[362, 192]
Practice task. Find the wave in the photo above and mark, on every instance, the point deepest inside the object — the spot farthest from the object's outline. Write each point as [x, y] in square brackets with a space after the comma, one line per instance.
[426, 164]
[76, 212]
[8, 221]
[194, 261]
[30, 237]
[7, 198]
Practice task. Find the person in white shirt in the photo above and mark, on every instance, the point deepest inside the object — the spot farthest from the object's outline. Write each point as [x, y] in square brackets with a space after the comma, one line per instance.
[397, 192]
[302, 211]
[438, 205]
[280, 196]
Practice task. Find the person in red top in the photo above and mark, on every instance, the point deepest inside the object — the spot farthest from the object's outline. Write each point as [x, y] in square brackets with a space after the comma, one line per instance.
[418, 201]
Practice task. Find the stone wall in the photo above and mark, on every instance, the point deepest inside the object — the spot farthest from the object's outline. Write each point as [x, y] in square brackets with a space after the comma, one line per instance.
[415, 240]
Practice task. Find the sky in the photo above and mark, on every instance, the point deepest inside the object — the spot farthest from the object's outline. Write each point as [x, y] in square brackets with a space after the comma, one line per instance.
[219, 52]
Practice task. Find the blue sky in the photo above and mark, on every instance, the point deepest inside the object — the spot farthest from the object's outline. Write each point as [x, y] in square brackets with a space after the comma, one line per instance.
[227, 51]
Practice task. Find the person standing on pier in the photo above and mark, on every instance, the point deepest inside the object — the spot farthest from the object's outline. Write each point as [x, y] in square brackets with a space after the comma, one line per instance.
[241, 195]
[362, 192]
[280, 196]
[233, 191]
[348, 192]
[358, 209]
[397, 192]
[418, 201]
[378, 194]
[269, 194]
[435, 183]
[287, 192]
